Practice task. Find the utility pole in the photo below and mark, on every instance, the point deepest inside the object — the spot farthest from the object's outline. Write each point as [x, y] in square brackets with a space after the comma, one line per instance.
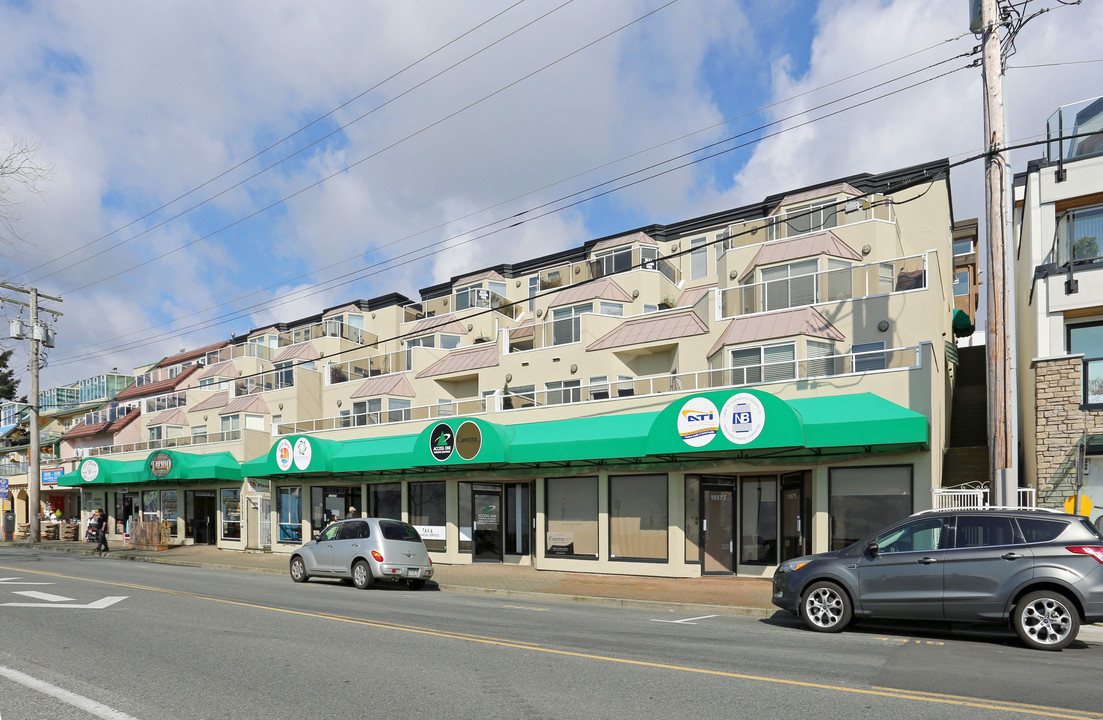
[39, 333]
[1002, 450]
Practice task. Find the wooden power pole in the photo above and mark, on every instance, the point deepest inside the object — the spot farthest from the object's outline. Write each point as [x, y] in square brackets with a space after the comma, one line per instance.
[1002, 441]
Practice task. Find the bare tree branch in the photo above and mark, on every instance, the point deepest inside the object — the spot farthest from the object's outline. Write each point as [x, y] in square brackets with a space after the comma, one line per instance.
[20, 169]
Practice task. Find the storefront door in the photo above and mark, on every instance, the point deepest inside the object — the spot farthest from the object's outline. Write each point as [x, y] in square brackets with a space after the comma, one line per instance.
[205, 518]
[796, 502]
[486, 525]
[718, 529]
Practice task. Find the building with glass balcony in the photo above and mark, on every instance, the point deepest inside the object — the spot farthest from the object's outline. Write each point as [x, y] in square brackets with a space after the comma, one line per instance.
[714, 395]
[1059, 306]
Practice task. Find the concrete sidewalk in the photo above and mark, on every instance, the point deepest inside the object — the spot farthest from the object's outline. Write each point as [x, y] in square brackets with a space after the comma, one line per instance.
[719, 595]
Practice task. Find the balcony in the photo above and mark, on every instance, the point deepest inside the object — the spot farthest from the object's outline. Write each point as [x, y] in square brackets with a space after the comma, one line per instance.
[851, 283]
[1075, 119]
[265, 382]
[468, 299]
[474, 406]
[108, 414]
[799, 369]
[168, 401]
[384, 364]
[149, 445]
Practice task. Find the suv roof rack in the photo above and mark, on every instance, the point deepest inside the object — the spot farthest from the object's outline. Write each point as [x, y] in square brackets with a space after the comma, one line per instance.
[986, 508]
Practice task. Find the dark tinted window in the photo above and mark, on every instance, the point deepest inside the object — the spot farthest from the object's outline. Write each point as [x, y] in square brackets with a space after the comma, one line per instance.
[393, 530]
[1037, 530]
[984, 531]
[354, 529]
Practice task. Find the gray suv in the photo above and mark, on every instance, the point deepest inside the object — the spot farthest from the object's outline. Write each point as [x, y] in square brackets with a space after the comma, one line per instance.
[1040, 570]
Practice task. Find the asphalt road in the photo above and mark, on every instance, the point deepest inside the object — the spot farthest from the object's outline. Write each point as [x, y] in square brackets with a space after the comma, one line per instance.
[98, 638]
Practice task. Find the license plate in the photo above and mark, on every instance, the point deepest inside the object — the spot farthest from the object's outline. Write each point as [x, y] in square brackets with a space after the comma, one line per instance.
[413, 572]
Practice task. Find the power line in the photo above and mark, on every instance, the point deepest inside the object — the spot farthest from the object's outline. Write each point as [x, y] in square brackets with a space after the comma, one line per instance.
[240, 313]
[282, 140]
[377, 152]
[391, 262]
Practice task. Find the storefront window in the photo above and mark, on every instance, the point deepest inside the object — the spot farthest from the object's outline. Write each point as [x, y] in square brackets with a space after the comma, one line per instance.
[330, 504]
[693, 519]
[865, 499]
[427, 513]
[638, 517]
[758, 521]
[571, 510]
[149, 506]
[289, 510]
[385, 501]
[170, 509]
[231, 514]
[465, 517]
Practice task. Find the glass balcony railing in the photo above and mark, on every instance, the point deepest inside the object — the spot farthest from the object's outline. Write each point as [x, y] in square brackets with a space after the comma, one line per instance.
[384, 364]
[757, 374]
[474, 406]
[168, 401]
[173, 442]
[108, 414]
[265, 382]
[1070, 121]
[850, 283]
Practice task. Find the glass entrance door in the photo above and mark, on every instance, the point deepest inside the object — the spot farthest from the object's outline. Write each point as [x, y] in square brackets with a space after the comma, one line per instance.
[796, 514]
[486, 522]
[518, 519]
[717, 529]
[204, 518]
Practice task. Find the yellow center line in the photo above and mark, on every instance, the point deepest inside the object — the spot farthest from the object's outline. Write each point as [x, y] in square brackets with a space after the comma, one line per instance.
[915, 696]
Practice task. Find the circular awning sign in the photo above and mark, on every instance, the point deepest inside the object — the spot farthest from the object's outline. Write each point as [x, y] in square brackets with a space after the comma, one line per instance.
[442, 442]
[89, 471]
[160, 464]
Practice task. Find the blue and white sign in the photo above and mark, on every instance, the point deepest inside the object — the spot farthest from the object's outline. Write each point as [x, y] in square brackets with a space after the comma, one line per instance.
[742, 418]
[50, 475]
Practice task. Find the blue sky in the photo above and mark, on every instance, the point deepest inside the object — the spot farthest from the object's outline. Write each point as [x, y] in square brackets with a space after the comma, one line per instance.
[459, 116]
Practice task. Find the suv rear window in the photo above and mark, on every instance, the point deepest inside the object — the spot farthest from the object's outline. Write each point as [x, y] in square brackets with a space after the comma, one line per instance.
[1037, 530]
[393, 530]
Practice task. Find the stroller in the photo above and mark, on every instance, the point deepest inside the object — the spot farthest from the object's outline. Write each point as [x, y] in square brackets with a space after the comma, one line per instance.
[90, 532]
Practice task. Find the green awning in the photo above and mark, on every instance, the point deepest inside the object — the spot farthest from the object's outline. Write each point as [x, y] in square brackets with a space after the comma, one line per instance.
[726, 423]
[962, 324]
[161, 466]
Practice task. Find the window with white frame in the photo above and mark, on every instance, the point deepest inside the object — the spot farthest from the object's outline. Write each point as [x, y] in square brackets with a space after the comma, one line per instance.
[534, 288]
[155, 433]
[230, 426]
[599, 387]
[398, 410]
[698, 258]
[448, 342]
[963, 247]
[961, 283]
[626, 385]
[763, 364]
[611, 308]
[567, 323]
[811, 217]
[868, 356]
[445, 407]
[254, 422]
[424, 341]
[649, 258]
[820, 359]
[789, 285]
[840, 279]
[199, 433]
[1082, 234]
[613, 261]
[560, 392]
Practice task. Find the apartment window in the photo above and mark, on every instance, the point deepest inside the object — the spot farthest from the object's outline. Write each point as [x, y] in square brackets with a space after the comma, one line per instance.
[534, 288]
[868, 356]
[963, 247]
[608, 308]
[820, 361]
[807, 218]
[649, 258]
[398, 410]
[1087, 340]
[567, 323]
[564, 391]
[521, 396]
[840, 280]
[230, 425]
[961, 283]
[1083, 234]
[638, 517]
[445, 408]
[698, 258]
[625, 386]
[614, 261]
[199, 434]
[763, 364]
[449, 342]
[254, 422]
[599, 387]
[790, 285]
[648, 308]
[154, 434]
[426, 341]
[284, 375]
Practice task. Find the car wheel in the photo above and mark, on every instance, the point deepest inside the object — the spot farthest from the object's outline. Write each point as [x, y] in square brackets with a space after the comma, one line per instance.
[1046, 620]
[825, 607]
[415, 584]
[361, 575]
[298, 570]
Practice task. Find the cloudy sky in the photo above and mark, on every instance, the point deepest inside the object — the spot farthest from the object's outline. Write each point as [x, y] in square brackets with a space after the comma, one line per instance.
[221, 165]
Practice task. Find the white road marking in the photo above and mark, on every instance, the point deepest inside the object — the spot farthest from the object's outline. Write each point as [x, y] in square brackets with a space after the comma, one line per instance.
[686, 621]
[8, 581]
[42, 596]
[97, 605]
[78, 701]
